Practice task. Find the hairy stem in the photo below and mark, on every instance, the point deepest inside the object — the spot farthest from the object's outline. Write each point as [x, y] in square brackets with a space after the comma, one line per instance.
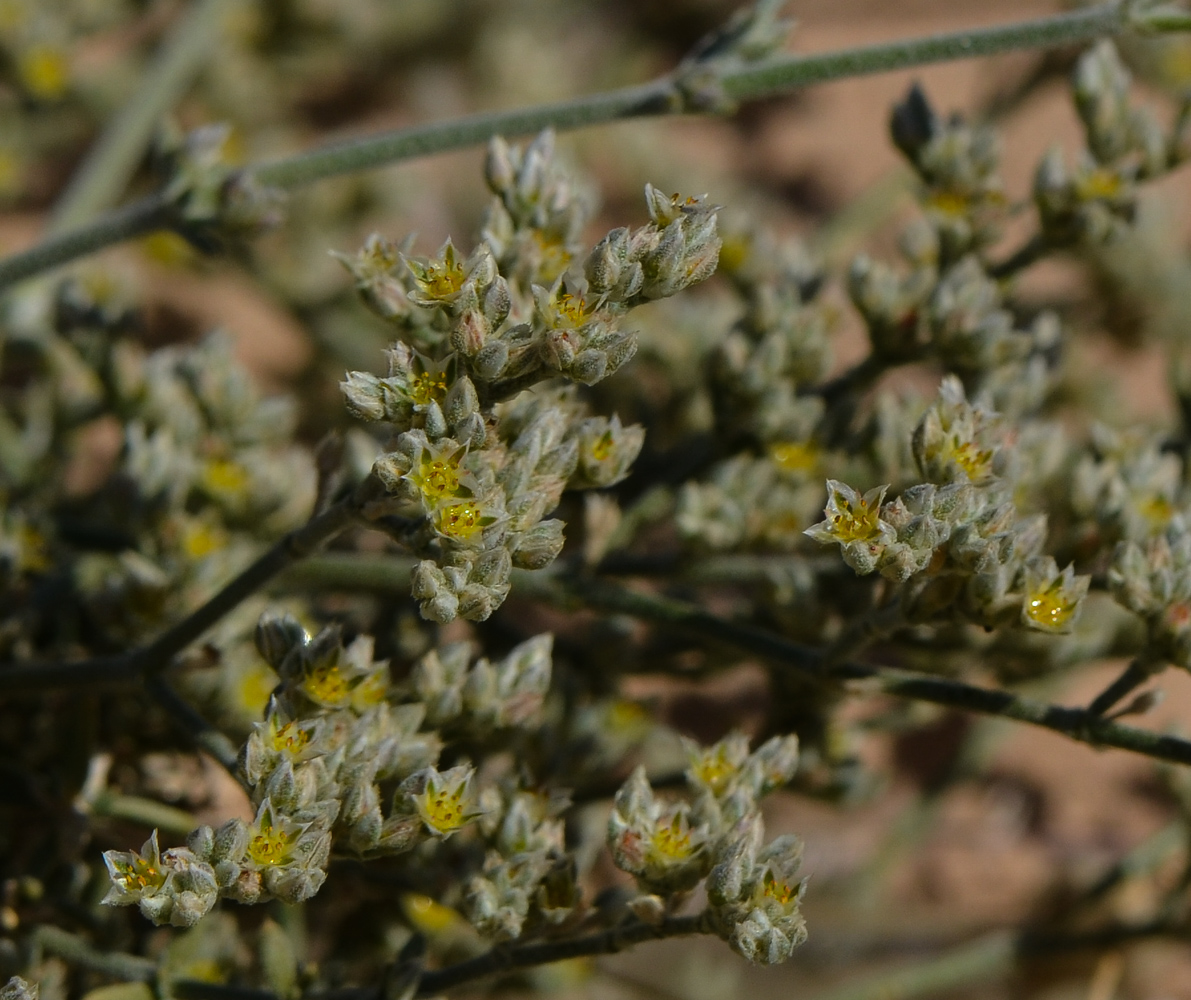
[1134, 675]
[105, 173]
[664, 96]
[129, 968]
[807, 661]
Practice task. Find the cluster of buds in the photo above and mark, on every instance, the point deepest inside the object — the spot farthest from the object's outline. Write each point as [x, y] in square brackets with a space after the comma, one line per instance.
[484, 695]
[1125, 145]
[527, 874]
[1153, 580]
[335, 732]
[475, 465]
[956, 533]
[215, 472]
[957, 165]
[1128, 486]
[535, 222]
[750, 502]
[216, 204]
[780, 343]
[778, 347]
[176, 887]
[671, 846]
[755, 894]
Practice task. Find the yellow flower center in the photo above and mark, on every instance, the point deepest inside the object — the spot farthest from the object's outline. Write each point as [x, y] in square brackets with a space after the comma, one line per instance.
[975, 461]
[223, 477]
[794, 457]
[673, 840]
[372, 690]
[326, 685]
[291, 739]
[437, 478]
[1050, 608]
[854, 524]
[1098, 184]
[443, 280]
[44, 72]
[443, 810]
[948, 202]
[199, 540]
[778, 891]
[714, 771]
[1157, 510]
[572, 309]
[270, 847]
[141, 874]
[427, 387]
[461, 520]
[601, 449]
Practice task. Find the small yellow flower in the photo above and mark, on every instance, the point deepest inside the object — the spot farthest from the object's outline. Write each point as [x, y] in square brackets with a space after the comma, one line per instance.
[371, 691]
[439, 279]
[427, 387]
[969, 456]
[437, 474]
[44, 71]
[272, 838]
[779, 891]
[462, 521]
[1100, 184]
[851, 517]
[447, 804]
[794, 456]
[201, 538]
[290, 738]
[134, 873]
[951, 203]
[672, 841]
[224, 478]
[1049, 608]
[1052, 598]
[716, 766]
[327, 685]
[1156, 510]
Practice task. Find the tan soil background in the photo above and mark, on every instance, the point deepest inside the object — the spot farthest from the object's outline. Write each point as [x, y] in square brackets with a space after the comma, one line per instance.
[1045, 815]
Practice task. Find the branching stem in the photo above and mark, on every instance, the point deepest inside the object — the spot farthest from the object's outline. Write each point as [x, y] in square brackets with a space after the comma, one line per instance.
[150, 659]
[780, 74]
[688, 619]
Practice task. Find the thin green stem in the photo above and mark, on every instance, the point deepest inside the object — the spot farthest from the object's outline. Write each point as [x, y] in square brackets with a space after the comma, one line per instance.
[986, 958]
[109, 166]
[664, 96]
[125, 223]
[786, 73]
[146, 812]
[129, 968]
[368, 152]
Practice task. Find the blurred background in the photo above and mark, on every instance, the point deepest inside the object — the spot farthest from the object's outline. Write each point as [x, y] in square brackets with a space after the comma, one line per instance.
[967, 828]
